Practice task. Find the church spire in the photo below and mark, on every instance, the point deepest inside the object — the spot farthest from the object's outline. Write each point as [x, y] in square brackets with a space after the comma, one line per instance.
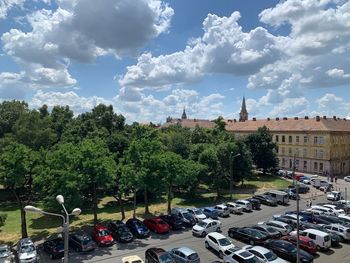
[184, 116]
[243, 115]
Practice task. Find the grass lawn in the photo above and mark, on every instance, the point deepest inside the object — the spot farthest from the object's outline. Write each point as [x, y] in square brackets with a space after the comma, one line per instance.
[40, 227]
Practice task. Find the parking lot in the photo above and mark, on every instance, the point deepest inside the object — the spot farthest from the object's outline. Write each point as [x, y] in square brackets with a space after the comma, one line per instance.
[184, 238]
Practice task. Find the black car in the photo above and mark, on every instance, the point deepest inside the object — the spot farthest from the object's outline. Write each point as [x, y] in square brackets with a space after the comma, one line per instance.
[255, 203]
[333, 219]
[158, 255]
[288, 251]
[269, 231]
[81, 241]
[120, 231]
[285, 220]
[137, 228]
[54, 247]
[335, 239]
[303, 188]
[173, 221]
[266, 200]
[247, 234]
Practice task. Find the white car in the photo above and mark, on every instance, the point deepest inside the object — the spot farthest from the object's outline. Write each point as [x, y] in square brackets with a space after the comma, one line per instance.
[219, 243]
[264, 255]
[223, 210]
[322, 209]
[206, 226]
[347, 178]
[26, 251]
[240, 256]
[284, 228]
[333, 196]
[132, 259]
[234, 208]
[335, 210]
[340, 230]
[247, 206]
[197, 214]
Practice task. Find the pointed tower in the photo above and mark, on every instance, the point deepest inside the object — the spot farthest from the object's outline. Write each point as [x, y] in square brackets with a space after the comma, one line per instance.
[184, 116]
[243, 115]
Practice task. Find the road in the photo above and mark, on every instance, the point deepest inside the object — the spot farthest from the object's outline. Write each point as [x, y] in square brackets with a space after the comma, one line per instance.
[184, 238]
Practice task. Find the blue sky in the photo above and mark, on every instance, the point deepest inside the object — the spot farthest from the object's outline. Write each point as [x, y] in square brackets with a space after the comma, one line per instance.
[152, 58]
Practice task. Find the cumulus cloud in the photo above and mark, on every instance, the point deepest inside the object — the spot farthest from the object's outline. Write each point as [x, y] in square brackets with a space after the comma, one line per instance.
[7, 5]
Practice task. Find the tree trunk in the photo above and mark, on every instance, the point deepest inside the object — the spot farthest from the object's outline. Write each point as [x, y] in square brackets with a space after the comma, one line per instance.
[121, 203]
[169, 198]
[94, 200]
[134, 214]
[23, 215]
[217, 186]
[146, 200]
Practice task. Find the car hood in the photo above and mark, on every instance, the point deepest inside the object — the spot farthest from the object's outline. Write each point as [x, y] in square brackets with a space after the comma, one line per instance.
[106, 238]
[228, 247]
[198, 228]
[278, 260]
[27, 255]
[201, 216]
[305, 254]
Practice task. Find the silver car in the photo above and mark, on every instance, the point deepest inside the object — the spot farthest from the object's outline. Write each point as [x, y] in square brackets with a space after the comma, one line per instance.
[26, 251]
[185, 255]
[5, 254]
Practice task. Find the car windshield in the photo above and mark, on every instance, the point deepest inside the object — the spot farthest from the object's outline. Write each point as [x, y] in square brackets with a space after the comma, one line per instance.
[138, 224]
[161, 222]
[103, 233]
[27, 249]
[270, 256]
[289, 228]
[202, 224]
[251, 260]
[270, 230]
[3, 252]
[123, 229]
[197, 212]
[224, 242]
[193, 256]
[166, 258]
[187, 216]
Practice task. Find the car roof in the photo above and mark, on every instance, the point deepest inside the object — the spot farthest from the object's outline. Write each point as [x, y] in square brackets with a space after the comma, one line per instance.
[278, 222]
[186, 250]
[216, 235]
[259, 249]
[157, 250]
[221, 205]
[131, 258]
[208, 220]
[26, 241]
[316, 232]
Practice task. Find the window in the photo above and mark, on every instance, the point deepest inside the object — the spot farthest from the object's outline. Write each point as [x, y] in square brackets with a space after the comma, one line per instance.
[305, 139]
[276, 138]
[296, 164]
[315, 140]
[283, 150]
[305, 165]
[283, 138]
[304, 152]
[321, 167]
[297, 152]
[290, 151]
[290, 139]
[315, 166]
[315, 153]
[321, 140]
[320, 154]
[297, 139]
[312, 236]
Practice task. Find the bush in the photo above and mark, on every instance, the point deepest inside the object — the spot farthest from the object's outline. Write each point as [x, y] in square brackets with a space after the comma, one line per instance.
[2, 219]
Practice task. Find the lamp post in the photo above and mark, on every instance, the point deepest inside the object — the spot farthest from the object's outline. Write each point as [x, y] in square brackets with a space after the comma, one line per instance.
[296, 183]
[75, 212]
[231, 171]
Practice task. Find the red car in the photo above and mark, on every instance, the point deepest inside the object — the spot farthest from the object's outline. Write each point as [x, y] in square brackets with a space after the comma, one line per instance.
[157, 225]
[305, 243]
[102, 236]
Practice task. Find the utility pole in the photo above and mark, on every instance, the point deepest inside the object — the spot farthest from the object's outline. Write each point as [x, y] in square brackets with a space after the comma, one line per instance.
[231, 171]
[296, 183]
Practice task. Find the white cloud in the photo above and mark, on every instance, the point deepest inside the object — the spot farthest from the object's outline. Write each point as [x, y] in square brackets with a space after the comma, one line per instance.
[290, 107]
[337, 73]
[7, 5]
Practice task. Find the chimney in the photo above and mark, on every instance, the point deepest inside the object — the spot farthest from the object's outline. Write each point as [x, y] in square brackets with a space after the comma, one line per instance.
[306, 117]
[285, 118]
[317, 118]
[296, 118]
[268, 118]
[277, 119]
[334, 117]
[325, 117]
[254, 119]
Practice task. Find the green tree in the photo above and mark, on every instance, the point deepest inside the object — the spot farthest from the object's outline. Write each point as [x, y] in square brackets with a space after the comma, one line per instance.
[3, 218]
[263, 149]
[220, 124]
[61, 116]
[177, 140]
[10, 111]
[17, 168]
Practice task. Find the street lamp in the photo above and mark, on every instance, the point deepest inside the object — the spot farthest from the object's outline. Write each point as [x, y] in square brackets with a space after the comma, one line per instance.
[75, 212]
[231, 171]
[296, 183]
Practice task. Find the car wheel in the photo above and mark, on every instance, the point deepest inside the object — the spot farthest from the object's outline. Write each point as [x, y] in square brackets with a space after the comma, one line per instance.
[221, 255]
[206, 245]
[204, 234]
[251, 242]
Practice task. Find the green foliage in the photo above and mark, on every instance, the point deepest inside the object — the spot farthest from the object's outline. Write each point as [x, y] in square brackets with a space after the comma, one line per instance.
[263, 149]
[177, 140]
[10, 111]
[2, 219]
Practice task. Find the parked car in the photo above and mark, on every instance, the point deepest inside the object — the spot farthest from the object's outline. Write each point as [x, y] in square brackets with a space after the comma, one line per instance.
[264, 255]
[102, 235]
[266, 200]
[347, 178]
[240, 256]
[157, 225]
[321, 238]
[206, 226]
[255, 203]
[158, 255]
[337, 211]
[234, 208]
[335, 239]
[289, 219]
[247, 234]
[223, 210]
[304, 242]
[132, 259]
[288, 251]
[281, 197]
[26, 251]
[269, 231]
[306, 215]
[197, 214]
[218, 242]
[173, 221]
[326, 220]
[185, 255]
[187, 219]
[54, 247]
[340, 230]
[80, 241]
[120, 231]
[334, 196]
[284, 228]
[210, 212]
[284, 220]
[137, 228]
[247, 206]
[6, 255]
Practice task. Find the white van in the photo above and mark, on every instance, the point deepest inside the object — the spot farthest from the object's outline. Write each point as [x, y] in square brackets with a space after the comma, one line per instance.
[280, 196]
[319, 183]
[321, 239]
